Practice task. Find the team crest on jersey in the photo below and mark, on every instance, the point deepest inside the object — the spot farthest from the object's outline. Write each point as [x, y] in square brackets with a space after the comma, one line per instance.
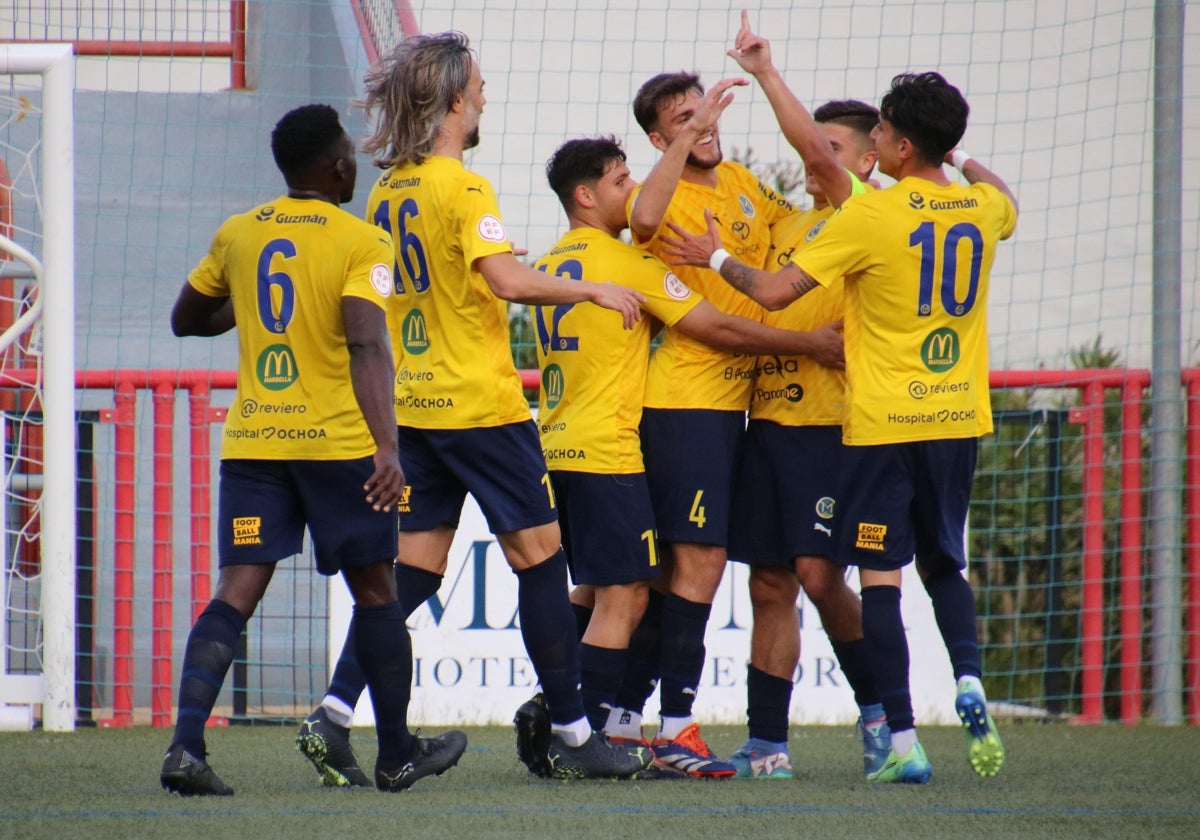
[825, 507]
[676, 288]
[277, 368]
[815, 230]
[941, 349]
[414, 334]
[381, 279]
[747, 206]
[490, 228]
[553, 385]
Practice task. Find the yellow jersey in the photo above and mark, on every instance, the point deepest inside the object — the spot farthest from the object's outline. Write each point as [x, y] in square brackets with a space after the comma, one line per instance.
[917, 259]
[685, 373]
[795, 390]
[454, 367]
[593, 369]
[286, 265]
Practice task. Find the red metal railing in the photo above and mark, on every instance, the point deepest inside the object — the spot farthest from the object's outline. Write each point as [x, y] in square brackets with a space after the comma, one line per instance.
[1090, 415]
[233, 49]
[199, 385]
[124, 384]
[1191, 380]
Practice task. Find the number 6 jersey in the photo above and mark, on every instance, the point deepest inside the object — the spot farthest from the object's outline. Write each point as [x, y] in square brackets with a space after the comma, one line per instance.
[454, 367]
[917, 258]
[286, 266]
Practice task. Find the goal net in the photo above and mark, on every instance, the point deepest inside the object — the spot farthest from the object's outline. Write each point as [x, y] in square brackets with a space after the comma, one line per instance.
[36, 387]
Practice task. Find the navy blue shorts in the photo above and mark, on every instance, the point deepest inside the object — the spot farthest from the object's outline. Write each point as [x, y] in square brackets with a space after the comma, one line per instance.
[501, 466]
[901, 500]
[783, 495]
[607, 527]
[263, 507]
[690, 456]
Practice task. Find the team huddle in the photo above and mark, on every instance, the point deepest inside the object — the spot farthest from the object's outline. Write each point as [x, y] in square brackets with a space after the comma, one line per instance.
[815, 403]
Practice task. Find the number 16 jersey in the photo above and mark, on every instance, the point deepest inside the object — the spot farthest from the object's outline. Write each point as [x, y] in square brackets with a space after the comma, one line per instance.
[454, 367]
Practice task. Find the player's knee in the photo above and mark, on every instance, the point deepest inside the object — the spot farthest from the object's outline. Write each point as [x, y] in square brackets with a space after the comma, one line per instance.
[530, 546]
[821, 580]
[932, 577]
[773, 587]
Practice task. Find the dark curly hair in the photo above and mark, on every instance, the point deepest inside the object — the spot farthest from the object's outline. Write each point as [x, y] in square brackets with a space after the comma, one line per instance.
[582, 161]
[929, 111]
[303, 136]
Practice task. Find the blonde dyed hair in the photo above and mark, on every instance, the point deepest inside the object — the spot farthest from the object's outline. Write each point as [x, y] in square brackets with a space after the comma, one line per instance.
[412, 89]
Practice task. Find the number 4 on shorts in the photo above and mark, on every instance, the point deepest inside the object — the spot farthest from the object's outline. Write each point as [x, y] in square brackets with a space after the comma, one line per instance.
[696, 514]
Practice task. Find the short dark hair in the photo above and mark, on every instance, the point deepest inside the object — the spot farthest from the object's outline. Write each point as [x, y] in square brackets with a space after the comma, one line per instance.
[651, 96]
[303, 136]
[929, 111]
[582, 161]
[853, 114]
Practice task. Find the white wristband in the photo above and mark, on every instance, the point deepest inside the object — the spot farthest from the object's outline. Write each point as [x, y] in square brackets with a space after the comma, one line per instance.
[718, 256]
[959, 159]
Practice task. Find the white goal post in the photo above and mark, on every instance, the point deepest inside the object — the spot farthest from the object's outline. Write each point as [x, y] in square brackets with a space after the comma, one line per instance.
[55, 64]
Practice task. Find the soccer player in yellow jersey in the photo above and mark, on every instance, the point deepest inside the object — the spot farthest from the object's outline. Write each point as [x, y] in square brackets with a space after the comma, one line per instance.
[781, 519]
[593, 383]
[696, 396]
[917, 370]
[310, 434]
[464, 424]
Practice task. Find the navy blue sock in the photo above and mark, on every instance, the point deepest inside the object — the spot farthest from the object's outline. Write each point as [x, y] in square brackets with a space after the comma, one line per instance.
[886, 648]
[206, 660]
[348, 680]
[954, 608]
[548, 629]
[768, 704]
[384, 652]
[601, 670]
[641, 668]
[852, 658]
[415, 586]
[683, 625]
[583, 615]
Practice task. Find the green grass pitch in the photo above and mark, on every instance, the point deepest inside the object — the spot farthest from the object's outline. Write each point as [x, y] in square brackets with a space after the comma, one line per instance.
[1060, 781]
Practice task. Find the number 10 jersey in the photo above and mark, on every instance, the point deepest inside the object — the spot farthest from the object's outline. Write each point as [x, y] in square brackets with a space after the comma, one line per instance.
[917, 259]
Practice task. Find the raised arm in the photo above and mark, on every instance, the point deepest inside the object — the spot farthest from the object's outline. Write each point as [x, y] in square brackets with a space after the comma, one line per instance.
[772, 289]
[650, 206]
[510, 279]
[976, 173]
[371, 376]
[753, 54]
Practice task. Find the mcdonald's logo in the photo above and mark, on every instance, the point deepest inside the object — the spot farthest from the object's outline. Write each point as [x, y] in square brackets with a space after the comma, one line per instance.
[941, 350]
[277, 367]
[414, 334]
[553, 385]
